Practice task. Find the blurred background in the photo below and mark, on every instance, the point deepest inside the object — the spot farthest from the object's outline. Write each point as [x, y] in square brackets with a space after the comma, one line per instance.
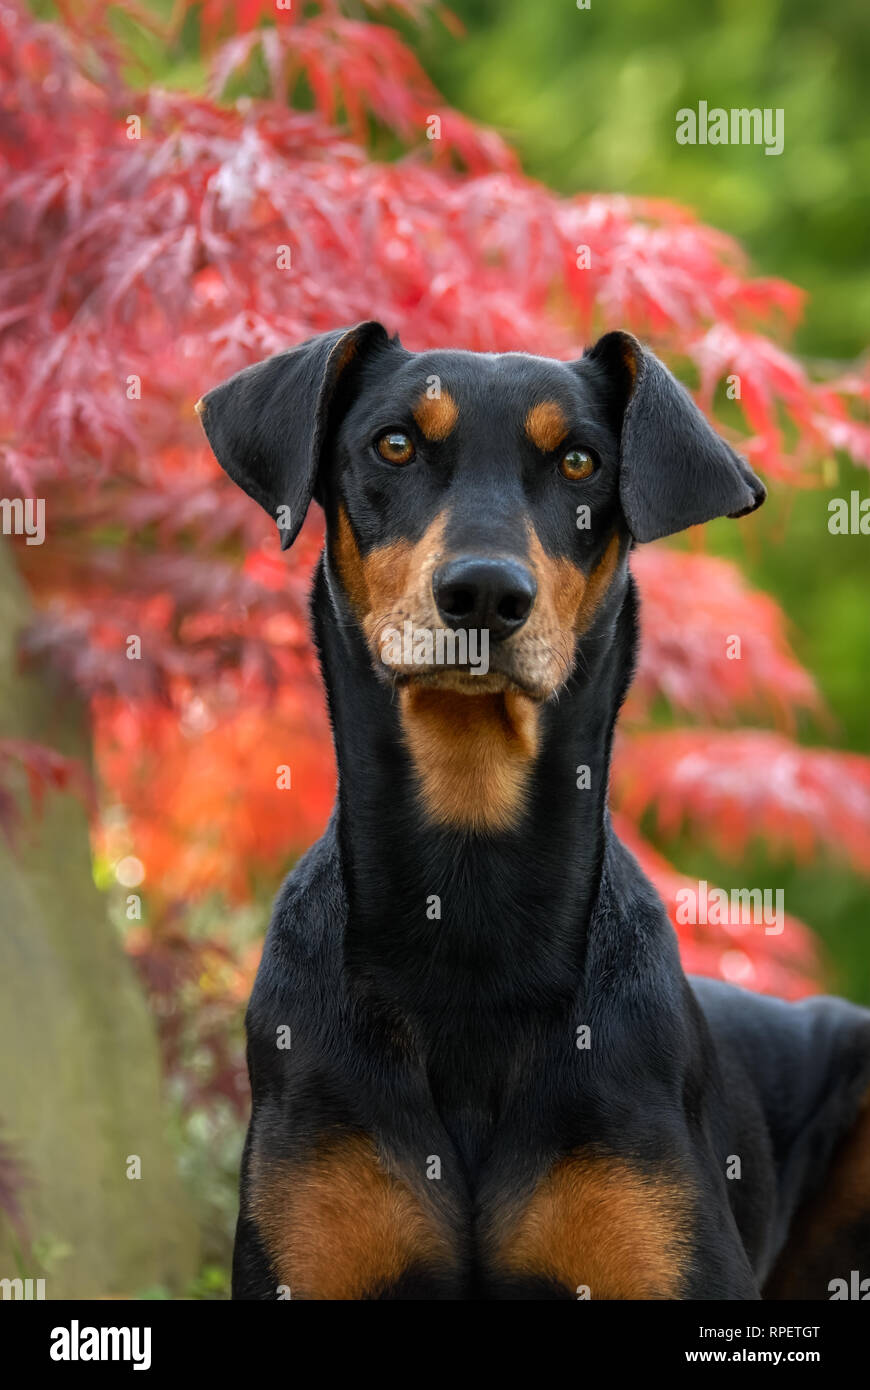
[187, 187]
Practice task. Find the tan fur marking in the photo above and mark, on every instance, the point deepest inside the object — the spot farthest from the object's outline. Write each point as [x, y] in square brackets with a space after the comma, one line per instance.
[598, 1222]
[472, 754]
[200, 406]
[561, 586]
[348, 562]
[597, 585]
[629, 359]
[567, 598]
[437, 417]
[472, 738]
[376, 582]
[341, 1227]
[546, 425]
[346, 349]
[820, 1246]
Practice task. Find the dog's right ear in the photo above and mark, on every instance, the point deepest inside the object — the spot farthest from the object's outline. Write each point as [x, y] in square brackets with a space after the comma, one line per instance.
[267, 424]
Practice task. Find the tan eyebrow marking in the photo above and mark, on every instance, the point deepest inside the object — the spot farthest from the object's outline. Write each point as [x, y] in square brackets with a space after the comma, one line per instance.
[546, 425]
[436, 416]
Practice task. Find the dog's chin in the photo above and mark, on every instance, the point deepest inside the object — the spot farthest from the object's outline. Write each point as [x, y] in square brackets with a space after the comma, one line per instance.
[460, 681]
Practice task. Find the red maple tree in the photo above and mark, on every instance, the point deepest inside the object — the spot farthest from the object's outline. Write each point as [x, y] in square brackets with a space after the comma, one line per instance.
[154, 242]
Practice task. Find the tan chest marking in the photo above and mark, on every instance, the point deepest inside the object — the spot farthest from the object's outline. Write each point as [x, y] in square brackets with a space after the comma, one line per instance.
[472, 753]
[342, 1226]
[600, 1223]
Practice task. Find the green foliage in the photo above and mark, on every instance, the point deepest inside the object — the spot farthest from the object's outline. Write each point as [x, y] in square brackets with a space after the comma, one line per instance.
[589, 98]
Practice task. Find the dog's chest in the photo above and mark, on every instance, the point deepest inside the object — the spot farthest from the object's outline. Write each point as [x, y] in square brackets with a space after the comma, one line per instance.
[362, 1222]
[588, 1226]
[468, 1162]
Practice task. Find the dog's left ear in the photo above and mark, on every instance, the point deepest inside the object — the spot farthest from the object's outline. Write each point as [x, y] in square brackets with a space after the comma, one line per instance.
[675, 471]
[267, 424]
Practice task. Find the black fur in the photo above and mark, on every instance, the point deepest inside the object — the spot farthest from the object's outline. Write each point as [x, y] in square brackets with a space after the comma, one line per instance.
[456, 1037]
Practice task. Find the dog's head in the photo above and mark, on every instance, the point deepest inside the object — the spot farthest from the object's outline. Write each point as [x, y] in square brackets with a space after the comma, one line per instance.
[479, 506]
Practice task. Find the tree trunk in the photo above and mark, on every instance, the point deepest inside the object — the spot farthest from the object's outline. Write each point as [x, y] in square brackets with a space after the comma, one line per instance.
[80, 1087]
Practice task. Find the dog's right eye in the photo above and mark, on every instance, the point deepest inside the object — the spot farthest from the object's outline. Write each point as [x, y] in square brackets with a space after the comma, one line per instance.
[395, 447]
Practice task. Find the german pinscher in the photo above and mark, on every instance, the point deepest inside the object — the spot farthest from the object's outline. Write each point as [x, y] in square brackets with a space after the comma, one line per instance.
[499, 1083]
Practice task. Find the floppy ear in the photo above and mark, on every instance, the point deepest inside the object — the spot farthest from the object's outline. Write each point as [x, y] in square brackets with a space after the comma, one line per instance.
[675, 471]
[267, 424]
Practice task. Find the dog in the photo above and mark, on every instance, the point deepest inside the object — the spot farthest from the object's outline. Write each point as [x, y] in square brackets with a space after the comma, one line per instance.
[477, 1068]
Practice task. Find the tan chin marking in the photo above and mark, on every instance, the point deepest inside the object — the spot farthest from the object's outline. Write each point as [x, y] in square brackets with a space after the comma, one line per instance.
[341, 1226]
[436, 417]
[546, 425]
[598, 1222]
[473, 754]
[445, 678]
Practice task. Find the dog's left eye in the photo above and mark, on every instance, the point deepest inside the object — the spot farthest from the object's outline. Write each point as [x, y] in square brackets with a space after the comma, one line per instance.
[578, 463]
[395, 447]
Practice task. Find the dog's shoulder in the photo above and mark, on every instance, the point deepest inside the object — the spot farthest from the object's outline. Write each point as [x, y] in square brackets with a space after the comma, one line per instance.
[311, 907]
[302, 951]
[631, 938]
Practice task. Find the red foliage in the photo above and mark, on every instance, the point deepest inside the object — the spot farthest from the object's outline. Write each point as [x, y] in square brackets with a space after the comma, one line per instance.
[43, 769]
[139, 271]
[693, 608]
[738, 786]
[733, 951]
[202, 796]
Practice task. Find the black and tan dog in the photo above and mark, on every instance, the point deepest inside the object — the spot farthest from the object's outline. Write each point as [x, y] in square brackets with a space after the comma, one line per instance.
[434, 1130]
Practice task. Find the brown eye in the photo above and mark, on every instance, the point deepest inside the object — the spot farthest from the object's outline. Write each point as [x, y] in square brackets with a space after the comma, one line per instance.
[577, 464]
[395, 447]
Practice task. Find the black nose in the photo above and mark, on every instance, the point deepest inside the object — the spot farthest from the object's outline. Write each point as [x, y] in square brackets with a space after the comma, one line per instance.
[479, 591]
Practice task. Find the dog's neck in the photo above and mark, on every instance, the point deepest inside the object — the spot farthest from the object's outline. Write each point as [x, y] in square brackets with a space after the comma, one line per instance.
[487, 919]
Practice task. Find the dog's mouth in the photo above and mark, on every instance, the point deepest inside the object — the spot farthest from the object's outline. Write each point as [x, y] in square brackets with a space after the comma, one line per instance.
[463, 680]
[409, 655]
[499, 677]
